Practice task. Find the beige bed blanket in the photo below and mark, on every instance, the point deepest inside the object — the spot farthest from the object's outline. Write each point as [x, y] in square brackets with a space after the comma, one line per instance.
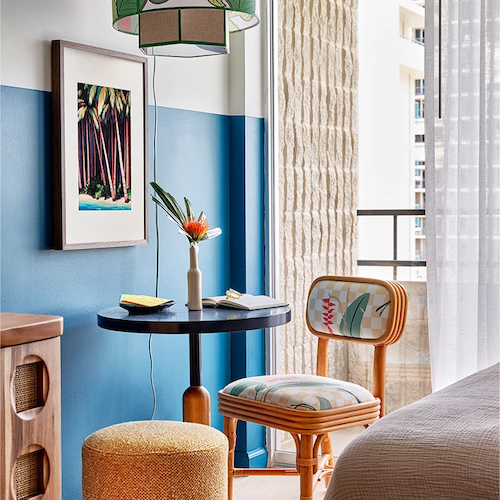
[443, 447]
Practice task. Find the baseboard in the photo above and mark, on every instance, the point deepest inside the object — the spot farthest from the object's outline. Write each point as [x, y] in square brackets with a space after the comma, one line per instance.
[251, 459]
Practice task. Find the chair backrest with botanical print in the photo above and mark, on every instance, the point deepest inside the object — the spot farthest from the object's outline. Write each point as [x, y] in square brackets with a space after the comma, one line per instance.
[361, 310]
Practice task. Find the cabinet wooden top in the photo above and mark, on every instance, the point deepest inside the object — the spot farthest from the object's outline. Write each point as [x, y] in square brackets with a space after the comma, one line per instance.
[23, 328]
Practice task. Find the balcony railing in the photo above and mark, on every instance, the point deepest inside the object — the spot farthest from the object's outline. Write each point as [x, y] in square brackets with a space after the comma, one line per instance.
[395, 262]
[419, 42]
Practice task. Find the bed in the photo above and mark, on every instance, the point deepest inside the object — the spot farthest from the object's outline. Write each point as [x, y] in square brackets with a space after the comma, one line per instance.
[443, 447]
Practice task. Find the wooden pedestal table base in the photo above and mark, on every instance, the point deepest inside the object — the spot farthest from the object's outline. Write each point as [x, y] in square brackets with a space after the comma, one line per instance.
[196, 399]
[179, 320]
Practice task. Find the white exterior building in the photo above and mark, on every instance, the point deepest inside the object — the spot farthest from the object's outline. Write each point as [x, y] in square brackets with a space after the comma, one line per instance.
[391, 130]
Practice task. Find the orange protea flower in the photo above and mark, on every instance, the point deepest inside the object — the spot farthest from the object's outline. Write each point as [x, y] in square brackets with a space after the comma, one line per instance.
[196, 228]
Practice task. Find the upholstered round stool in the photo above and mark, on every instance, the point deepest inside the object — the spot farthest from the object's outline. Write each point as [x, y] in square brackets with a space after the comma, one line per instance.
[155, 460]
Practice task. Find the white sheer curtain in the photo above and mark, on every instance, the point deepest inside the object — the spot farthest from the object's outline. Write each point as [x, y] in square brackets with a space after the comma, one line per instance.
[463, 186]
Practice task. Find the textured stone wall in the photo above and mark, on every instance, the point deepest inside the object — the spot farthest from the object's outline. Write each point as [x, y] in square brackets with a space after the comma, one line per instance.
[318, 146]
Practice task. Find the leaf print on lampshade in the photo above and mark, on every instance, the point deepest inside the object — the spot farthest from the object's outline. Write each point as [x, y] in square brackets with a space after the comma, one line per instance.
[184, 28]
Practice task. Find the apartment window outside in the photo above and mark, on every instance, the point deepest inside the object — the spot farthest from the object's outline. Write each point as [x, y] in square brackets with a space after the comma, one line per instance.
[418, 35]
[419, 109]
[419, 87]
[420, 138]
[419, 178]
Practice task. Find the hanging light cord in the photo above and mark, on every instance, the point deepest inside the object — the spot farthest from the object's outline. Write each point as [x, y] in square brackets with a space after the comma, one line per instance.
[157, 236]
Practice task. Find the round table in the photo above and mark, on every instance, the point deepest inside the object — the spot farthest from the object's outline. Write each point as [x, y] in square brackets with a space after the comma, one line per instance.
[179, 320]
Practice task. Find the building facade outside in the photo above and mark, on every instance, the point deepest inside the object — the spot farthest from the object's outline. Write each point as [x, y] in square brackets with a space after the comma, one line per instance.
[391, 131]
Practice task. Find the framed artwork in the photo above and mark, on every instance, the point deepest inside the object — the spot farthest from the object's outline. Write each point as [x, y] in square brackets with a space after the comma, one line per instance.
[99, 115]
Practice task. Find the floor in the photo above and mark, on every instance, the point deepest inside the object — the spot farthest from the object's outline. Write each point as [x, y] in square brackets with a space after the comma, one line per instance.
[271, 488]
[287, 488]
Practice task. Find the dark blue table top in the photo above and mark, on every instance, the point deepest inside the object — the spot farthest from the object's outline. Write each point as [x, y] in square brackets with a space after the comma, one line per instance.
[178, 319]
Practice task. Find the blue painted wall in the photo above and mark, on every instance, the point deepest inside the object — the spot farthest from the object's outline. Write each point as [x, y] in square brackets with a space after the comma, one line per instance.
[247, 268]
[105, 375]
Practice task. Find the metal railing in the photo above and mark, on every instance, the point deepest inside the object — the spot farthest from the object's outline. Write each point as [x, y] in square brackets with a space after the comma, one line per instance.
[395, 262]
[414, 40]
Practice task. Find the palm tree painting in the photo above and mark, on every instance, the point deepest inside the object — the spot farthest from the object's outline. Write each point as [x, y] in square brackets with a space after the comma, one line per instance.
[103, 117]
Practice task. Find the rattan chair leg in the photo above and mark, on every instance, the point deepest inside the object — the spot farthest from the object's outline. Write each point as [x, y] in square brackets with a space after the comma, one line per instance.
[326, 449]
[326, 463]
[328, 476]
[305, 465]
[229, 429]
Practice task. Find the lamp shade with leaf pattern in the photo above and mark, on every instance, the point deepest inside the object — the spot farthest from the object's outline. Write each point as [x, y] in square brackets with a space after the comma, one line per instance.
[184, 28]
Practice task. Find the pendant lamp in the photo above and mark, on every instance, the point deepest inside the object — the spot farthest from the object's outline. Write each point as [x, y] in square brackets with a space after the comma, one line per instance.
[184, 28]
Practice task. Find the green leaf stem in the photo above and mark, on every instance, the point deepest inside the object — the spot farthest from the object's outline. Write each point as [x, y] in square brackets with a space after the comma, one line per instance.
[189, 208]
[211, 233]
[175, 213]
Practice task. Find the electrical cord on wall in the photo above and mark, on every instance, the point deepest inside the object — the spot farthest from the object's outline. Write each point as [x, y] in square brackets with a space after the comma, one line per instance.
[157, 236]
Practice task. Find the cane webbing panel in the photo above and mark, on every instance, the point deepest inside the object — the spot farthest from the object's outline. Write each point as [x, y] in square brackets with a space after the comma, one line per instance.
[159, 27]
[203, 25]
[27, 390]
[155, 460]
[29, 474]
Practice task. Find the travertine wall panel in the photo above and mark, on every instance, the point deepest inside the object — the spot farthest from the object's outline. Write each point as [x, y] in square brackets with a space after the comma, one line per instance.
[318, 147]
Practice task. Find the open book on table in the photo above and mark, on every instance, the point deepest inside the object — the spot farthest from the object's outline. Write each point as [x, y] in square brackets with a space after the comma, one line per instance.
[245, 301]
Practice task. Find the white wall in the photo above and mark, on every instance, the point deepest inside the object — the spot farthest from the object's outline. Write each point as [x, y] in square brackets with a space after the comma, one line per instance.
[247, 73]
[199, 84]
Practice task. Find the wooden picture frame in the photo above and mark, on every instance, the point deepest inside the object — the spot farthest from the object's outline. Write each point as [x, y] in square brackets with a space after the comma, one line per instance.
[100, 147]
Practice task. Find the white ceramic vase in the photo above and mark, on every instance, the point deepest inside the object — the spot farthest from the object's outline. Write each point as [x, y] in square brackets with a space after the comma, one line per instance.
[194, 280]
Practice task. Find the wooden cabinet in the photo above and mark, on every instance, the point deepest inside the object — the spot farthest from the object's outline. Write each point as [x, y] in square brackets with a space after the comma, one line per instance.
[30, 434]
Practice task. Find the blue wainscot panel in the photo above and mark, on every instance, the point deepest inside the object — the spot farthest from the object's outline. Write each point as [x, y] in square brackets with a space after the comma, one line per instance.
[247, 266]
[105, 375]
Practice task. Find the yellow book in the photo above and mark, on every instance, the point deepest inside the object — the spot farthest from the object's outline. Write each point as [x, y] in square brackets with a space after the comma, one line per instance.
[143, 300]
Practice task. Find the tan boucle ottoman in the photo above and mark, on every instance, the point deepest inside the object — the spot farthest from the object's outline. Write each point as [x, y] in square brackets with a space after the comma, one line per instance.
[155, 460]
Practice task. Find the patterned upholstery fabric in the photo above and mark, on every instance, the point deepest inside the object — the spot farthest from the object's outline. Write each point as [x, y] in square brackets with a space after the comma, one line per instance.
[300, 392]
[349, 309]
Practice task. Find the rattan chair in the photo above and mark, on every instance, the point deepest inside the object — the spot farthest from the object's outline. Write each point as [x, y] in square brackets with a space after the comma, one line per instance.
[366, 311]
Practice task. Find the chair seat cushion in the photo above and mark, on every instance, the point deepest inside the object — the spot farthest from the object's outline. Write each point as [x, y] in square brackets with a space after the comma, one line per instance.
[300, 392]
